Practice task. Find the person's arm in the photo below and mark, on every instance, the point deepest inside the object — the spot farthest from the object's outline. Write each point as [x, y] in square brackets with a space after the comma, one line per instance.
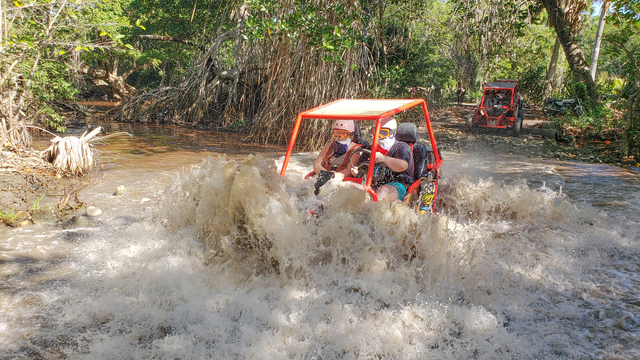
[349, 171]
[317, 165]
[395, 164]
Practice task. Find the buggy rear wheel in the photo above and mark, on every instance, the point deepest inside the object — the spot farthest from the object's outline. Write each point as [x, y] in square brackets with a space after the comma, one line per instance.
[422, 200]
[471, 124]
[517, 126]
[427, 195]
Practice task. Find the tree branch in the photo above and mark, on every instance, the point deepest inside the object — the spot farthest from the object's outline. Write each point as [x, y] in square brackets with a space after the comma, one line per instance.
[174, 39]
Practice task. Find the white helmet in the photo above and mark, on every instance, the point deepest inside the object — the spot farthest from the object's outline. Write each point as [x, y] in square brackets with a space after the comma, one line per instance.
[389, 123]
[344, 125]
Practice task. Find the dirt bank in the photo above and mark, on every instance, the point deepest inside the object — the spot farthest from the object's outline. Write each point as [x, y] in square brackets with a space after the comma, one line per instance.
[453, 134]
[26, 185]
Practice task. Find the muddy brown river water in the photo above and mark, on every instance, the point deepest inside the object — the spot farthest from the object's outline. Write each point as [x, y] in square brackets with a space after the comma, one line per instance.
[213, 255]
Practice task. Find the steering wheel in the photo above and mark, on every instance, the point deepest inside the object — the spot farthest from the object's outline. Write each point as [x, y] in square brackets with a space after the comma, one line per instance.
[378, 171]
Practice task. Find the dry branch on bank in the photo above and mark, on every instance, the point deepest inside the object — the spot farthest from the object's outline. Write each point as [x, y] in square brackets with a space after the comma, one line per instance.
[72, 155]
[19, 161]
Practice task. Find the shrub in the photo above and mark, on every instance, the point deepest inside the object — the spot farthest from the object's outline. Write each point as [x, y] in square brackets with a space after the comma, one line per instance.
[532, 83]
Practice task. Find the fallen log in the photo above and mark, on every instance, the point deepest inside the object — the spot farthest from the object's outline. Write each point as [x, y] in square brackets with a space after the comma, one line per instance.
[545, 133]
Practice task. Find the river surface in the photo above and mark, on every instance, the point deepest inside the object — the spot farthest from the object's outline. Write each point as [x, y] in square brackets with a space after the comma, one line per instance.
[212, 254]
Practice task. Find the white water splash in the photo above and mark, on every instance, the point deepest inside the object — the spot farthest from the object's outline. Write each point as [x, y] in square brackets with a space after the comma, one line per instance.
[234, 266]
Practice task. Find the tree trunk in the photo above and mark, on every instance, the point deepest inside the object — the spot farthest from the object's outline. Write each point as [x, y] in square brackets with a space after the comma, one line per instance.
[575, 56]
[631, 116]
[551, 71]
[628, 140]
[119, 87]
[595, 52]
[2, 17]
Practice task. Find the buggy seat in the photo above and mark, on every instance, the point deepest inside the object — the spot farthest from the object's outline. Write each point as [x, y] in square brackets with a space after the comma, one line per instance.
[422, 156]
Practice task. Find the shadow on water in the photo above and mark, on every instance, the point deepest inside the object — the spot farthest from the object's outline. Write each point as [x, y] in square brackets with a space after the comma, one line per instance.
[603, 186]
[23, 274]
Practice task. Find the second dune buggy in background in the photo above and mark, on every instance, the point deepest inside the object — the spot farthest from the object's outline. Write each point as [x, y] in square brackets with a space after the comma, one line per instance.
[500, 107]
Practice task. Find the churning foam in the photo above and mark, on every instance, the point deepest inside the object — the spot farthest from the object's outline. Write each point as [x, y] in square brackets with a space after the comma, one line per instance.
[240, 268]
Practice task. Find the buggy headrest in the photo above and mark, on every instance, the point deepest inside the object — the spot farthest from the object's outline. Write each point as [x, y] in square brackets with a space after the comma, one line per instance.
[407, 132]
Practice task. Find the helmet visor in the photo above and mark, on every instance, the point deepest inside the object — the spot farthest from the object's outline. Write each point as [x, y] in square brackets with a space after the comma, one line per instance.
[340, 134]
[384, 133]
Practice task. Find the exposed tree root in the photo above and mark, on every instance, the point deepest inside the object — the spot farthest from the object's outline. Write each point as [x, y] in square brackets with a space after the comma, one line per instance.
[261, 90]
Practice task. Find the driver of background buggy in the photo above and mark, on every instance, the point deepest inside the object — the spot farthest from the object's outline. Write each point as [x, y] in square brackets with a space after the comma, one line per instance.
[334, 156]
[398, 158]
[491, 99]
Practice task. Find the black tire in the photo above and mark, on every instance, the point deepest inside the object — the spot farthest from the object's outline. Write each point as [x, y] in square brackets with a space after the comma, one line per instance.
[517, 126]
[470, 122]
[473, 124]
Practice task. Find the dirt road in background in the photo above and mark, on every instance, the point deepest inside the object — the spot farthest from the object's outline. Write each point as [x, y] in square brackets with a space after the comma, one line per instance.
[453, 134]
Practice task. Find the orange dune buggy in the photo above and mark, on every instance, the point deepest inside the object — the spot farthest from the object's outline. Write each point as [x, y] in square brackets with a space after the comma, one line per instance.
[500, 107]
[422, 193]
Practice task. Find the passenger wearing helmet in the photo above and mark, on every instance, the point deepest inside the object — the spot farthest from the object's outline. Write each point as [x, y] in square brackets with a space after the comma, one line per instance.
[398, 158]
[335, 154]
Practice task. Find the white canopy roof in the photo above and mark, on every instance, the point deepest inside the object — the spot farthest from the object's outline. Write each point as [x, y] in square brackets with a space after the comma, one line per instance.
[358, 107]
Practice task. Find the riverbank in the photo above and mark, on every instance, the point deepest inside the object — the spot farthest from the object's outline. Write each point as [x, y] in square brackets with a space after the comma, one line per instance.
[453, 134]
[25, 190]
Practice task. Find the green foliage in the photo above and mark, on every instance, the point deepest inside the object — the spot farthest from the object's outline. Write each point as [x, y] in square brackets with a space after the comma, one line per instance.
[411, 56]
[532, 84]
[9, 217]
[575, 88]
[44, 39]
[611, 87]
[596, 115]
[332, 34]
[35, 205]
[416, 64]
[52, 119]
[403, 44]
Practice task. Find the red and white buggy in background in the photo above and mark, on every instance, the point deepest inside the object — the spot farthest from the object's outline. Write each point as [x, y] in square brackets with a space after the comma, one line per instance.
[421, 195]
[500, 107]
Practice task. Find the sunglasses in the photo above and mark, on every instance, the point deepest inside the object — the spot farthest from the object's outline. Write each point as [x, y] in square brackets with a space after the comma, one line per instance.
[341, 134]
[384, 133]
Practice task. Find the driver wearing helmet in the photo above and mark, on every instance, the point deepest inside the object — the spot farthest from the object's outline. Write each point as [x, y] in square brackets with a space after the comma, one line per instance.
[398, 158]
[335, 154]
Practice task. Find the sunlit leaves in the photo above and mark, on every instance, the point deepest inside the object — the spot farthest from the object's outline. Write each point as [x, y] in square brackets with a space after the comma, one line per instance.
[43, 34]
[328, 28]
[138, 24]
